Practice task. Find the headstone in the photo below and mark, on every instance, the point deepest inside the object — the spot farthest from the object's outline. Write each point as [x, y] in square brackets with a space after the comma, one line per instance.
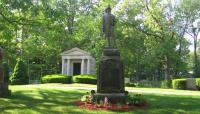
[127, 80]
[4, 91]
[191, 84]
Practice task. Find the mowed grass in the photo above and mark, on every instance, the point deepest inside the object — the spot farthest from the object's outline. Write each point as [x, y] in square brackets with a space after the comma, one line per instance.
[47, 100]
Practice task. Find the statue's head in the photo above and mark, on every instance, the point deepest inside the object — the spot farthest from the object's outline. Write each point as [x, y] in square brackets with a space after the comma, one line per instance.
[108, 9]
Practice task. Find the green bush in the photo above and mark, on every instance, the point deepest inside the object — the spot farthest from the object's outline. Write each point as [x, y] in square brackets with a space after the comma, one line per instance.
[130, 85]
[86, 79]
[198, 83]
[135, 99]
[20, 75]
[56, 78]
[179, 84]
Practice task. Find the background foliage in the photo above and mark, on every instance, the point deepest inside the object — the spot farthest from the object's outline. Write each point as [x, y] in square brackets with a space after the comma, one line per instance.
[149, 34]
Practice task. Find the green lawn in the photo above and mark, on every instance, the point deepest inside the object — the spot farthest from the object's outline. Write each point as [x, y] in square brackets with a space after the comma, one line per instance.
[44, 99]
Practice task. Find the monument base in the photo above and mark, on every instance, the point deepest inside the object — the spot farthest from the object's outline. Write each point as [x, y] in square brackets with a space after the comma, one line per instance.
[4, 91]
[110, 80]
[112, 97]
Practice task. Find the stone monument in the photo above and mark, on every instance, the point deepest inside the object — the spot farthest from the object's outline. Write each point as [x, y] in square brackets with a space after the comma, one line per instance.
[4, 91]
[110, 80]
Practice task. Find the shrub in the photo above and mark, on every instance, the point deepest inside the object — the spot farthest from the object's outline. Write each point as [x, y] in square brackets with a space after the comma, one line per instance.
[130, 85]
[179, 84]
[198, 83]
[136, 99]
[20, 75]
[56, 78]
[86, 79]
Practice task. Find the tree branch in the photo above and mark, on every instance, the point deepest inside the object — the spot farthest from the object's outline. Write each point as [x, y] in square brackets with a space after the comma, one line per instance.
[148, 33]
[19, 21]
[154, 18]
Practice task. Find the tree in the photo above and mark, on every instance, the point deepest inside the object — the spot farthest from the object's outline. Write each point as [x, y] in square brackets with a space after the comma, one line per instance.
[20, 75]
[190, 10]
[149, 35]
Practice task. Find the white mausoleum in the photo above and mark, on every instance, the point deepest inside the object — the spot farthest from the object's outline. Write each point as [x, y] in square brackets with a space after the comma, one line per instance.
[76, 61]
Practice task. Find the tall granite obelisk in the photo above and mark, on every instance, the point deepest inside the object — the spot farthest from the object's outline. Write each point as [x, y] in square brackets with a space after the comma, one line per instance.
[110, 80]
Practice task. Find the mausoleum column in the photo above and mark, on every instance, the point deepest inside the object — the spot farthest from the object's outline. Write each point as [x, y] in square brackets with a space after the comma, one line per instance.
[88, 66]
[68, 67]
[82, 66]
[63, 65]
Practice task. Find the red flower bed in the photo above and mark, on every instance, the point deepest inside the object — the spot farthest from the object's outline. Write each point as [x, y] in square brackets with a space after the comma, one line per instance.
[115, 107]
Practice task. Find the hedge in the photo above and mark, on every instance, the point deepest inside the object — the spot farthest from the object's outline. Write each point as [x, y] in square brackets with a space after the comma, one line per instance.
[198, 83]
[85, 79]
[179, 84]
[56, 78]
[130, 85]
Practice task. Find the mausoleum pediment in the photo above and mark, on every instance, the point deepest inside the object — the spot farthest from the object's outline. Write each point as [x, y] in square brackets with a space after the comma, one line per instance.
[75, 51]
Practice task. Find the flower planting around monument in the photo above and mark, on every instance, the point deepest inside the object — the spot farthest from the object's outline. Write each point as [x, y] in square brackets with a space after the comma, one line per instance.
[131, 102]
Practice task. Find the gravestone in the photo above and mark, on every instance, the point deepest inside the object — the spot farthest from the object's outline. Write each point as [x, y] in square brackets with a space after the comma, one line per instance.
[191, 84]
[4, 91]
[110, 80]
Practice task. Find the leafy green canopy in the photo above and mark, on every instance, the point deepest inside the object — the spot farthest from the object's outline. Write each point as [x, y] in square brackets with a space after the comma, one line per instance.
[149, 34]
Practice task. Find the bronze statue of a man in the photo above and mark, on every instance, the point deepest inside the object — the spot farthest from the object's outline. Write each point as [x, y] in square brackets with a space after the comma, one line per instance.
[109, 22]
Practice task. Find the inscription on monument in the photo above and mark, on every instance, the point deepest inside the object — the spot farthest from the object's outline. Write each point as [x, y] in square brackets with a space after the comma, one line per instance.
[111, 74]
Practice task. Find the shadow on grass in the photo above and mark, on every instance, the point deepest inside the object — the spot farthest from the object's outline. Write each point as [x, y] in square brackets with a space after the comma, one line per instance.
[168, 104]
[42, 101]
[173, 104]
[56, 101]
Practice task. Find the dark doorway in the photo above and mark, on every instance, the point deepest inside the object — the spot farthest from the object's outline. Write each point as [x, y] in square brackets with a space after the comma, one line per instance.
[77, 68]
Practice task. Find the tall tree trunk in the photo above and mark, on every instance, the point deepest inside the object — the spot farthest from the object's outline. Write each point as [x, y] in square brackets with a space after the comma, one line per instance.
[138, 68]
[167, 68]
[195, 55]
[180, 45]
